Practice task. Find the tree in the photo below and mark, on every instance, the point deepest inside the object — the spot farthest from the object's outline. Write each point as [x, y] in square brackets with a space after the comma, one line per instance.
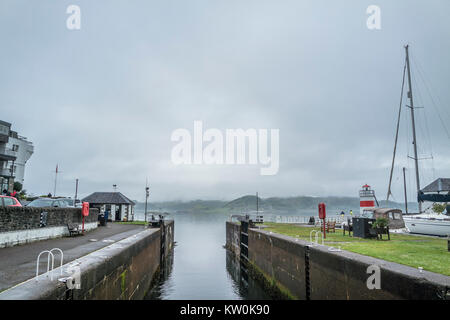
[438, 207]
[17, 186]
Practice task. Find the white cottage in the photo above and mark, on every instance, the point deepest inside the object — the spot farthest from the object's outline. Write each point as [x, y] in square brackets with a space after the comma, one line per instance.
[119, 207]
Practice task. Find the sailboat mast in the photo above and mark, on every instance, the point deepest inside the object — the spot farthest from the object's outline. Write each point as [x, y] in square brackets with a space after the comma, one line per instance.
[410, 96]
[257, 204]
[56, 178]
[404, 188]
[396, 135]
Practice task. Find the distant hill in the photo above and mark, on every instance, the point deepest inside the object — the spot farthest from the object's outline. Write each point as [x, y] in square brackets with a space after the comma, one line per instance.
[184, 206]
[295, 204]
[245, 203]
[278, 205]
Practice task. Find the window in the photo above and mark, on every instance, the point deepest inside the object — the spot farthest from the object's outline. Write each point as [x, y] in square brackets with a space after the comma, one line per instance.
[9, 201]
[4, 129]
[15, 147]
[60, 204]
[68, 202]
[41, 203]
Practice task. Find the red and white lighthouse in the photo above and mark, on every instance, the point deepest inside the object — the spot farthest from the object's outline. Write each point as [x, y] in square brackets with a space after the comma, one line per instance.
[367, 199]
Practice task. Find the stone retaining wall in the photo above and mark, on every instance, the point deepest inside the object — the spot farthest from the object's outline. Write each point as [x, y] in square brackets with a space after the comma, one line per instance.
[301, 270]
[22, 218]
[20, 225]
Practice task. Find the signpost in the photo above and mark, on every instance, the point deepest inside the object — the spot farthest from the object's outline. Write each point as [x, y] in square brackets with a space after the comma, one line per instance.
[322, 215]
[76, 193]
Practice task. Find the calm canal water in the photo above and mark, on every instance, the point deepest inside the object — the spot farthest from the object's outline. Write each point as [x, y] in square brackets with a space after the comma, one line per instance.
[200, 268]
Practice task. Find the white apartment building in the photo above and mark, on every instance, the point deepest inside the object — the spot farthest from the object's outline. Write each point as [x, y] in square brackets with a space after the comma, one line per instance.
[15, 151]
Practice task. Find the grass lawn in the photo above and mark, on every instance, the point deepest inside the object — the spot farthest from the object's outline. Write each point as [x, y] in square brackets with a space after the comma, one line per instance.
[141, 223]
[416, 251]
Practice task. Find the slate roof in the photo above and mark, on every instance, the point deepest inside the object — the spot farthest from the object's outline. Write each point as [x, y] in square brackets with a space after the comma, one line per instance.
[108, 198]
[438, 185]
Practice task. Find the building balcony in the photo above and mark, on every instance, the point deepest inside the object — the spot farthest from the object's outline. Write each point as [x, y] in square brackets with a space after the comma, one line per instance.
[4, 131]
[8, 155]
[5, 172]
[4, 138]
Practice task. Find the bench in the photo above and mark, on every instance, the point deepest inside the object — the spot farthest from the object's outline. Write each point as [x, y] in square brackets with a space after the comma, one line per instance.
[74, 229]
[381, 231]
[331, 226]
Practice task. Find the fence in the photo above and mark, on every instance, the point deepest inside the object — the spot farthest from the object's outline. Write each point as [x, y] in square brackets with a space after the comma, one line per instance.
[261, 217]
[302, 219]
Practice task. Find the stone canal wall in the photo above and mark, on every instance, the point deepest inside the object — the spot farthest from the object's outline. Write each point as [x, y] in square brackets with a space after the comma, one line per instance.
[233, 237]
[123, 270]
[280, 260]
[20, 225]
[299, 270]
[343, 275]
[168, 238]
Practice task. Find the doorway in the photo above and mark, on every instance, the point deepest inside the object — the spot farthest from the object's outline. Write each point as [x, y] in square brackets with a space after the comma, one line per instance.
[118, 210]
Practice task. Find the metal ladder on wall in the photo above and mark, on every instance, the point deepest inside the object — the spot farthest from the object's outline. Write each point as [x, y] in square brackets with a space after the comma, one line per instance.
[244, 240]
[50, 267]
[244, 251]
[162, 251]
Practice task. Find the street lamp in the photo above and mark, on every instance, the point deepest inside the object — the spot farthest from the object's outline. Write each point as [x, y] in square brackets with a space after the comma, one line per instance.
[147, 193]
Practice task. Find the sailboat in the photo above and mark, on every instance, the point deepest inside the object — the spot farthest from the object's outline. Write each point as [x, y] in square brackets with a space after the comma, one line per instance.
[424, 222]
[430, 222]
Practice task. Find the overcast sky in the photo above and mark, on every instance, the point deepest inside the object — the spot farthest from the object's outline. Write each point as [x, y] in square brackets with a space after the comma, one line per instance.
[103, 101]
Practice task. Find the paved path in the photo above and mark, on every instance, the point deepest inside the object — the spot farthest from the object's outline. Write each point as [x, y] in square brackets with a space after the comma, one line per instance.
[18, 263]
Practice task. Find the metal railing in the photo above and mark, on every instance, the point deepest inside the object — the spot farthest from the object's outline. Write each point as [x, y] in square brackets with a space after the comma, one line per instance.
[289, 219]
[367, 193]
[303, 219]
[6, 172]
[50, 267]
[8, 152]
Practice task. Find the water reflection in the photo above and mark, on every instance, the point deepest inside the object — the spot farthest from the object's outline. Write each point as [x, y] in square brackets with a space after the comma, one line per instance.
[200, 268]
[157, 289]
[245, 286]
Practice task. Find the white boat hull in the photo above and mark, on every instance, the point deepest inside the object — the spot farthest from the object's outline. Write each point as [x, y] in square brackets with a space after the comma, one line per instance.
[436, 227]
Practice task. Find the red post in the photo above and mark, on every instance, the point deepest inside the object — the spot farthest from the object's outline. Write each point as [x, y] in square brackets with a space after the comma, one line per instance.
[84, 212]
[322, 215]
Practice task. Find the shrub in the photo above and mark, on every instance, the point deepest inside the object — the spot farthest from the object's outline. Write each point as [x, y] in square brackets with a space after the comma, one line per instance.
[380, 223]
[438, 207]
[17, 186]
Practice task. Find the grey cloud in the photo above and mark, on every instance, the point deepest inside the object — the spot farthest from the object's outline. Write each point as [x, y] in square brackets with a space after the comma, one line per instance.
[102, 102]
